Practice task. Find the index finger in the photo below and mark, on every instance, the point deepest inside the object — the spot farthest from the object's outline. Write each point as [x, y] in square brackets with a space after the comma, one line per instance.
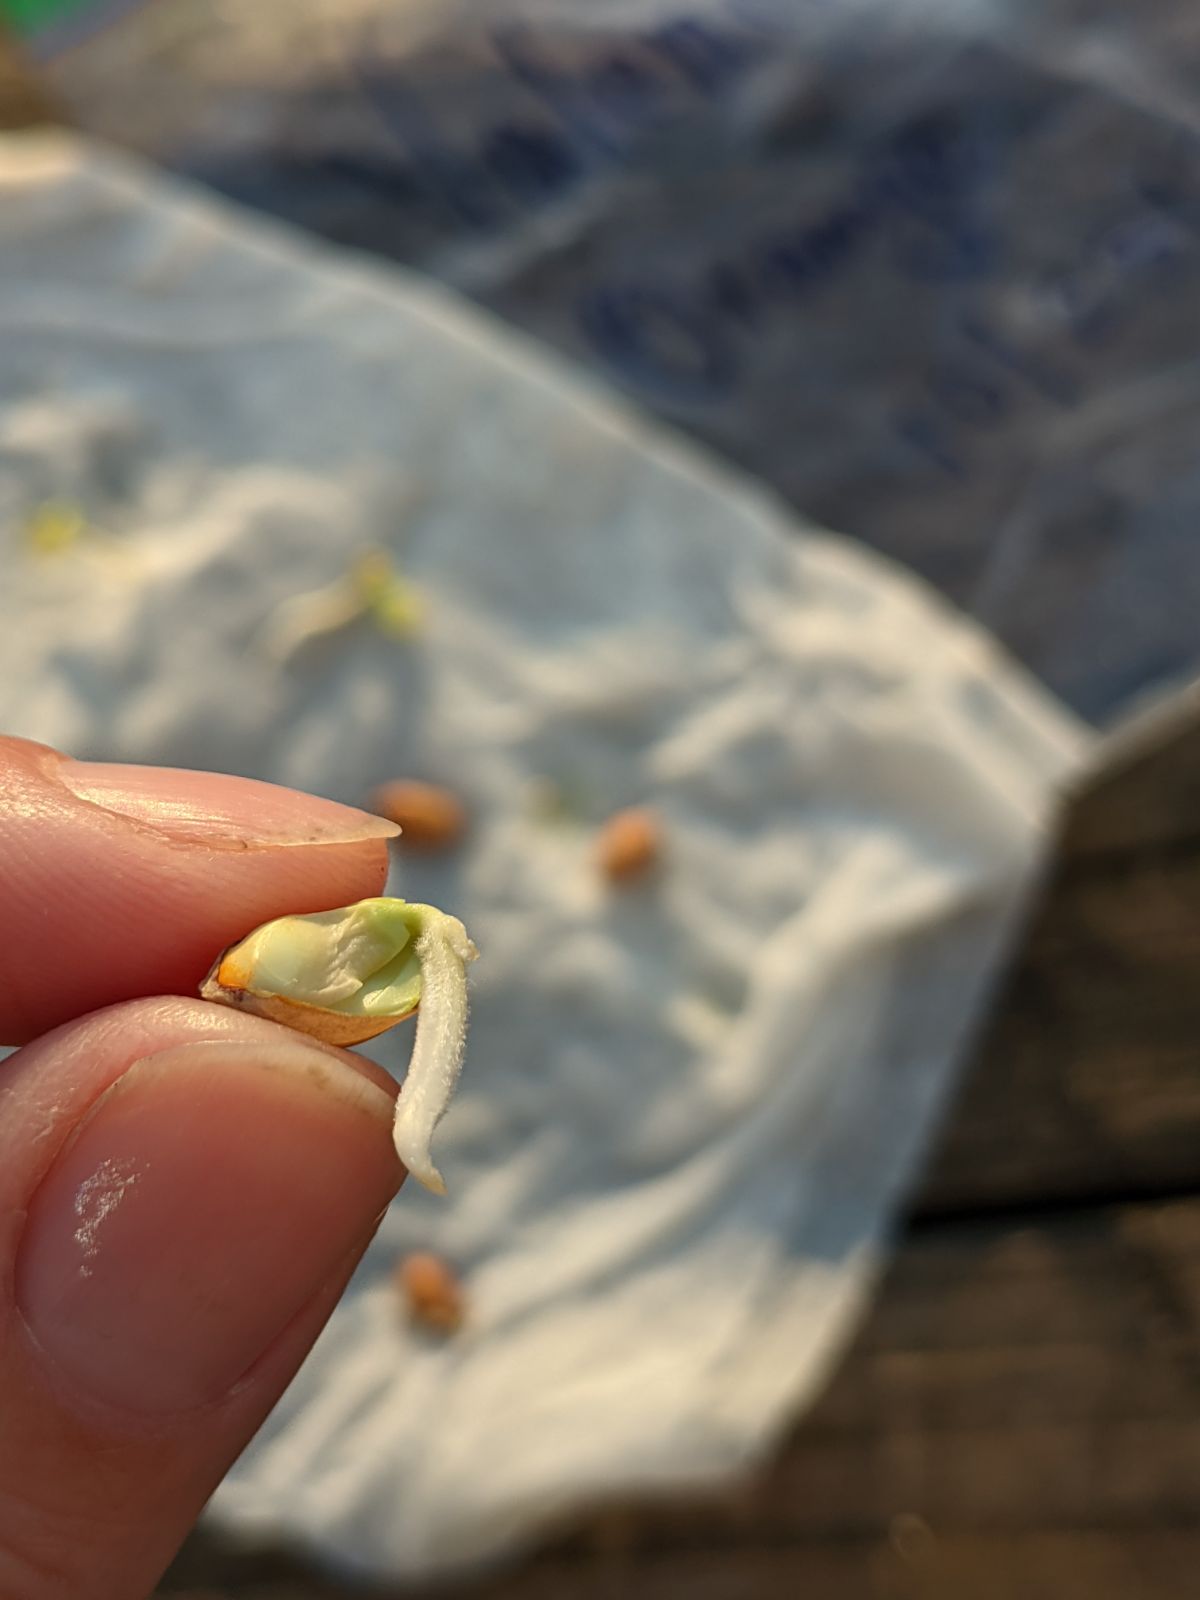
[118, 882]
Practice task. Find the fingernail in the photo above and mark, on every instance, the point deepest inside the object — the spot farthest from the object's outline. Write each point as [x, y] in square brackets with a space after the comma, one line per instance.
[214, 808]
[199, 1207]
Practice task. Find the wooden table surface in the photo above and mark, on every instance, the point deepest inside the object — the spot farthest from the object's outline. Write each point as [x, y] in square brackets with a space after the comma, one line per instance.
[1019, 1416]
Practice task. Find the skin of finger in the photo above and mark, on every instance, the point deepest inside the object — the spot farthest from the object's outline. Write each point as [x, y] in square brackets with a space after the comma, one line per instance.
[123, 1506]
[122, 1493]
[47, 1087]
[96, 909]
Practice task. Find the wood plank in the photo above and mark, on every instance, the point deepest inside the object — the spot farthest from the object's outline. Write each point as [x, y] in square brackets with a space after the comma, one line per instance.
[1086, 1080]
[23, 99]
[910, 1563]
[1024, 1401]
[1145, 797]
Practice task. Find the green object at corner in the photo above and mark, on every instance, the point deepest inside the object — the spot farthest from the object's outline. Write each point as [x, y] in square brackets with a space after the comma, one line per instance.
[30, 18]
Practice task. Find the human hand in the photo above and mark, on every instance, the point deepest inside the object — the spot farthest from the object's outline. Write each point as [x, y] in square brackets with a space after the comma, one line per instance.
[184, 1190]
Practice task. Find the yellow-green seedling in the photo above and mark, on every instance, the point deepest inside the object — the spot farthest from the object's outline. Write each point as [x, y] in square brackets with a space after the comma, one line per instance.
[372, 587]
[344, 976]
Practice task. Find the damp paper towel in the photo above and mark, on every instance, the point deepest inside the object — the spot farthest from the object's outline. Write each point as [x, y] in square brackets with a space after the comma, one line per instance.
[688, 1109]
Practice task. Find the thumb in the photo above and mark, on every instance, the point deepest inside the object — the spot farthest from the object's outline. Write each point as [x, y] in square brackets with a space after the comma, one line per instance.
[184, 1193]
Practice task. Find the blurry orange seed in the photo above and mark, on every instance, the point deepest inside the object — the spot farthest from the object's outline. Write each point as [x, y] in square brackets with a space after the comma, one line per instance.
[432, 1291]
[629, 844]
[429, 817]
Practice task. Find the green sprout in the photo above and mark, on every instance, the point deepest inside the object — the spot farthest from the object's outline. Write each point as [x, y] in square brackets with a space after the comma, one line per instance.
[372, 589]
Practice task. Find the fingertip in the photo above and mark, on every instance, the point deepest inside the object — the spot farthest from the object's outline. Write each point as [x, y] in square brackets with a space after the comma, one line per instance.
[98, 905]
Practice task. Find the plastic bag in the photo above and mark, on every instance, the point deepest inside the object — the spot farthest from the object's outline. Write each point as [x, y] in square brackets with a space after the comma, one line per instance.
[927, 267]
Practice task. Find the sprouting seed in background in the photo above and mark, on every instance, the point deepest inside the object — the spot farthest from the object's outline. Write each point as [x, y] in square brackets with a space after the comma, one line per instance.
[371, 589]
[54, 527]
[62, 531]
[389, 599]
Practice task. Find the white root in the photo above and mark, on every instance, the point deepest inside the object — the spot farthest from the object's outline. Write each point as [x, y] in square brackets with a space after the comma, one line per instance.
[443, 948]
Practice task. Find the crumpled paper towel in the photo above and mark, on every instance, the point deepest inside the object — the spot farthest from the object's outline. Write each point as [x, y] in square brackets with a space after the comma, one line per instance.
[689, 1108]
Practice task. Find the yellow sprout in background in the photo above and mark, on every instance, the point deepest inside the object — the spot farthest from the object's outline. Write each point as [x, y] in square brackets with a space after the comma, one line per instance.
[373, 589]
[390, 600]
[55, 527]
